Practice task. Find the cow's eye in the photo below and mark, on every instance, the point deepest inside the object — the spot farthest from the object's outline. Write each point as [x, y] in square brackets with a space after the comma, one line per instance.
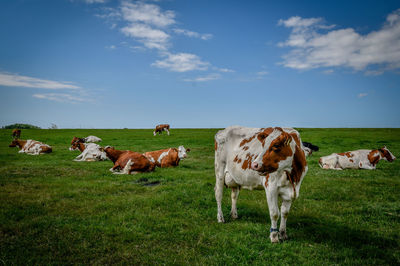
[276, 147]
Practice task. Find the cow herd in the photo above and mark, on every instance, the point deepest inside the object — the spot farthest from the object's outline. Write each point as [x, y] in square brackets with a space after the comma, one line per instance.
[273, 159]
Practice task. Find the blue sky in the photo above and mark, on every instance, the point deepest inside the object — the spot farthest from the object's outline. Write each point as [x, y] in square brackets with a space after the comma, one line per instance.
[196, 64]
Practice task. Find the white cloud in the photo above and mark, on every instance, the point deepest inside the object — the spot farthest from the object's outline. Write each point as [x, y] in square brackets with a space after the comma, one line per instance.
[328, 71]
[361, 95]
[61, 97]
[14, 80]
[225, 70]
[147, 13]
[181, 62]
[341, 47]
[209, 77]
[150, 37]
[111, 47]
[95, 1]
[192, 34]
[262, 73]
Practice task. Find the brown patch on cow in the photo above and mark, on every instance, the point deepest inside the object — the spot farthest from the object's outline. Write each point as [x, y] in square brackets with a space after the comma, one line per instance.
[278, 151]
[296, 138]
[46, 149]
[236, 159]
[246, 141]
[120, 158]
[351, 160]
[298, 165]
[245, 148]
[247, 162]
[215, 145]
[264, 134]
[386, 154]
[347, 154]
[266, 180]
[373, 157]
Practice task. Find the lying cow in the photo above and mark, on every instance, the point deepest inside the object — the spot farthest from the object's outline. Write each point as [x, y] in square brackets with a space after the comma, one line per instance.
[89, 151]
[360, 159]
[32, 147]
[16, 133]
[309, 148]
[160, 128]
[252, 158]
[167, 157]
[88, 139]
[129, 161]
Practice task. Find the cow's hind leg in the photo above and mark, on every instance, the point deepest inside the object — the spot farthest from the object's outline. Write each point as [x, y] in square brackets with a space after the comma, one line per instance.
[285, 208]
[234, 197]
[219, 188]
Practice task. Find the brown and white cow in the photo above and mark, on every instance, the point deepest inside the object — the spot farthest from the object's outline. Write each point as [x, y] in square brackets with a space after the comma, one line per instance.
[160, 128]
[89, 151]
[359, 159]
[255, 158]
[128, 162]
[167, 157]
[88, 139]
[16, 133]
[31, 147]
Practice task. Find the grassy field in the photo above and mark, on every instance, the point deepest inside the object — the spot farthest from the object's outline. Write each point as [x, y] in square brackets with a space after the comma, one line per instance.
[56, 211]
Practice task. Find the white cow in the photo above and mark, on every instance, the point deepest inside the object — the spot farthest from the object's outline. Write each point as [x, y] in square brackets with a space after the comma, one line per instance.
[90, 152]
[31, 147]
[92, 139]
[359, 159]
[252, 158]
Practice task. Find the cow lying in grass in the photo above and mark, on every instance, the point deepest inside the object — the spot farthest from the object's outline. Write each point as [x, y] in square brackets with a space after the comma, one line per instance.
[89, 151]
[31, 147]
[129, 162]
[359, 159]
[268, 158]
[167, 157]
[88, 139]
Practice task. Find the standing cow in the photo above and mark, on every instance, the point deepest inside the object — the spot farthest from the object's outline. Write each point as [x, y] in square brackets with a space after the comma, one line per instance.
[160, 128]
[270, 158]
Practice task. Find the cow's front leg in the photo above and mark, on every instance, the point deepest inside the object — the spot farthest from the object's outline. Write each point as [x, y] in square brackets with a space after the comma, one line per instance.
[285, 208]
[272, 198]
[234, 197]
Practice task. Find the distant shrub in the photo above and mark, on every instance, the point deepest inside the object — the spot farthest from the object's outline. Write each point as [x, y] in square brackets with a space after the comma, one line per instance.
[21, 126]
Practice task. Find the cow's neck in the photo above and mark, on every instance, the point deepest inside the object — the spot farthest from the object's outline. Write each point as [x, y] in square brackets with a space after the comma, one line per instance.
[114, 154]
[81, 147]
[21, 143]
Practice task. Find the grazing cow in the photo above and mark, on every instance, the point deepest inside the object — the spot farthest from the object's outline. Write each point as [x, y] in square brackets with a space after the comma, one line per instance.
[89, 151]
[270, 158]
[129, 161]
[16, 133]
[167, 157]
[309, 148]
[31, 147]
[359, 159]
[160, 128]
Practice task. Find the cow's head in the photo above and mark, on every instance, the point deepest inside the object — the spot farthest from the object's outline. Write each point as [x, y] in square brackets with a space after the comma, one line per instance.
[75, 143]
[277, 150]
[14, 143]
[386, 154]
[182, 152]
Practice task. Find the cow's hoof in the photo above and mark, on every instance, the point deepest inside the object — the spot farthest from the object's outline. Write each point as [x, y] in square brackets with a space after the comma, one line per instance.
[274, 237]
[283, 235]
[220, 219]
[234, 215]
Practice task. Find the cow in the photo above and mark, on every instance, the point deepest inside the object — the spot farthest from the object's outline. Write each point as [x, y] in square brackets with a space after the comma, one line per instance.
[309, 148]
[31, 147]
[271, 158]
[16, 133]
[160, 128]
[89, 152]
[167, 157]
[359, 159]
[88, 139]
[128, 162]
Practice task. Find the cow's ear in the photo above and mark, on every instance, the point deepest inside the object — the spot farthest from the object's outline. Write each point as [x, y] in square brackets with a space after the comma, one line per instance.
[101, 149]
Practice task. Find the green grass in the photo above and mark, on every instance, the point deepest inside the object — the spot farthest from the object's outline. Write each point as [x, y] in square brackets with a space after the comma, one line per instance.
[56, 211]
